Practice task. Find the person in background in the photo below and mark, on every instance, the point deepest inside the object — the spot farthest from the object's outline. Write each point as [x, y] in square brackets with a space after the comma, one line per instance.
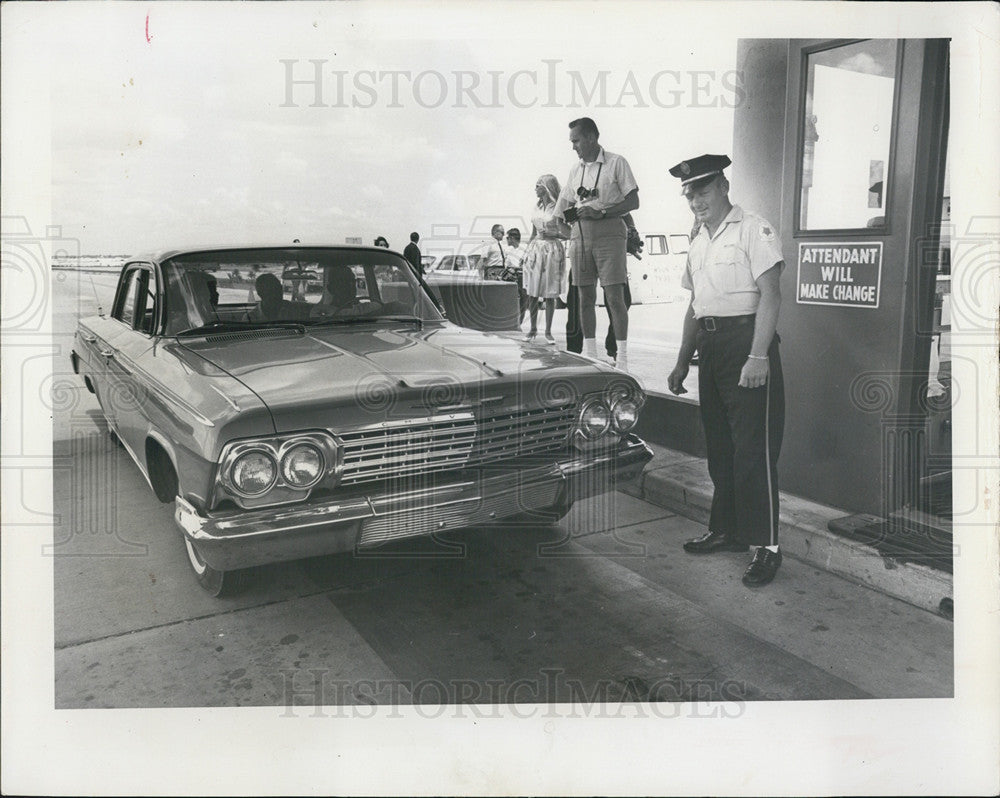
[492, 263]
[513, 269]
[599, 192]
[733, 268]
[382, 241]
[545, 261]
[412, 253]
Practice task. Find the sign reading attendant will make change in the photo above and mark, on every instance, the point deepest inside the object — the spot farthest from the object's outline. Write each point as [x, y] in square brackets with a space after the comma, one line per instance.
[840, 274]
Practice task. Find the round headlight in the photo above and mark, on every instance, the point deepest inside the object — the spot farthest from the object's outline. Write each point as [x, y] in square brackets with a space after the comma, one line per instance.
[625, 414]
[594, 419]
[302, 466]
[253, 472]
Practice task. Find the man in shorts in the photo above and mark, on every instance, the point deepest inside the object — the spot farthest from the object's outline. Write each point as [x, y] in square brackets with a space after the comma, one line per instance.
[599, 192]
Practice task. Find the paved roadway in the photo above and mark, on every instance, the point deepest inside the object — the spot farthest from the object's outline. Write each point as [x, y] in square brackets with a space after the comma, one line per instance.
[603, 605]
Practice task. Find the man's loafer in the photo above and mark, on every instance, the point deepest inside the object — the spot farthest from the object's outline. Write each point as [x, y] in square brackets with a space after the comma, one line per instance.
[762, 568]
[712, 542]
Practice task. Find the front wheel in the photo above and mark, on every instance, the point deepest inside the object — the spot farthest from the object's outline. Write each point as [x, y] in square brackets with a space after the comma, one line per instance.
[214, 582]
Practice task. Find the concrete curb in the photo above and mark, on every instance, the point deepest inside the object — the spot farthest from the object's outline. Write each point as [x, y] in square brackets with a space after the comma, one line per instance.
[679, 482]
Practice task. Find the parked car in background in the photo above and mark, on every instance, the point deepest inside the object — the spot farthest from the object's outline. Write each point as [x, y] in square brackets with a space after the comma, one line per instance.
[281, 426]
[456, 264]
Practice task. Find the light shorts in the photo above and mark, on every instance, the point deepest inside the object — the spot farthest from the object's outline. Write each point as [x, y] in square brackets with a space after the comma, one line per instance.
[599, 254]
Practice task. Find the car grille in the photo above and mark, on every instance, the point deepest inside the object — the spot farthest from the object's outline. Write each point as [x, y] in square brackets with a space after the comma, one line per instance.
[424, 446]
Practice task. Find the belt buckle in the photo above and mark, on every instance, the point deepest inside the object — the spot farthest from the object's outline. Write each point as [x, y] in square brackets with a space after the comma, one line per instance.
[709, 324]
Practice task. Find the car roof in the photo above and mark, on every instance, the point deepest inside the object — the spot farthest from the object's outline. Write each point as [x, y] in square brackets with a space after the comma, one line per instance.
[159, 256]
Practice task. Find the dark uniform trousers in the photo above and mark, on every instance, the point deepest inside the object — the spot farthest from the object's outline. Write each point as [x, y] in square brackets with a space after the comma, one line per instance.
[743, 432]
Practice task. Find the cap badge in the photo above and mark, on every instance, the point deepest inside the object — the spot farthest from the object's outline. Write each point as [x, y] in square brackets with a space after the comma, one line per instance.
[685, 168]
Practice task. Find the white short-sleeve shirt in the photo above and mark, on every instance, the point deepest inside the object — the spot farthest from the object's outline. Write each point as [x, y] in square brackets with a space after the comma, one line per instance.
[514, 257]
[610, 173]
[722, 270]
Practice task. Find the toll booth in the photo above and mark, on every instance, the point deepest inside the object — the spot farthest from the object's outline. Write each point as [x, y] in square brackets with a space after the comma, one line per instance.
[842, 144]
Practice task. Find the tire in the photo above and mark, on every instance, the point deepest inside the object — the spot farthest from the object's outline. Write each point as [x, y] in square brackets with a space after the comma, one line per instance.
[162, 475]
[215, 583]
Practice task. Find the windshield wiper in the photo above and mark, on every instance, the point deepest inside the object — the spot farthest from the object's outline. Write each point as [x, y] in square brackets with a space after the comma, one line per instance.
[338, 320]
[234, 326]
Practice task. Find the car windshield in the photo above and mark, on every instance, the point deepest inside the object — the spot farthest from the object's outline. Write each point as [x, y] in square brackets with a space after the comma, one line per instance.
[308, 286]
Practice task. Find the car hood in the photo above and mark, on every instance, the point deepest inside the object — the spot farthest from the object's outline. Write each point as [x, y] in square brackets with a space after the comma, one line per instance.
[361, 374]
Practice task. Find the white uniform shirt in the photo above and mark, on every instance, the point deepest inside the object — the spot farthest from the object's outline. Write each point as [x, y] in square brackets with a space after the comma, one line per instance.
[722, 270]
[612, 176]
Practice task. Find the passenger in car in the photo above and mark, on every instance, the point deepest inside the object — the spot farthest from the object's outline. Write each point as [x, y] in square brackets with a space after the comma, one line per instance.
[272, 305]
[340, 294]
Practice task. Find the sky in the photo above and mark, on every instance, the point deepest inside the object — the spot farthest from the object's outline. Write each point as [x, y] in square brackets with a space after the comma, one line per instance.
[177, 124]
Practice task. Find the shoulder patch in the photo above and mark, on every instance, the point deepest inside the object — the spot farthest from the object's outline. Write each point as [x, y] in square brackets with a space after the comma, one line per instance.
[765, 232]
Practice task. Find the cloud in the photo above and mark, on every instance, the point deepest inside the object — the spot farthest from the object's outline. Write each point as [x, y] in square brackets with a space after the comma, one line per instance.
[290, 163]
[442, 196]
[475, 125]
[863, 62]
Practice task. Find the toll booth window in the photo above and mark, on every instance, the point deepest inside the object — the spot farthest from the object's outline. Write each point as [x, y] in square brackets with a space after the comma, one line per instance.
[846, 136]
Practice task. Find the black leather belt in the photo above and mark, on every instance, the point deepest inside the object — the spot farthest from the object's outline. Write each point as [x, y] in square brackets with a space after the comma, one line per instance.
[716, 323]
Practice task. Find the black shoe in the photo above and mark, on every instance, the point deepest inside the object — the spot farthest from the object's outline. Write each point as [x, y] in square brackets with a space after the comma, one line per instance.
[713, 541]
[762, 568]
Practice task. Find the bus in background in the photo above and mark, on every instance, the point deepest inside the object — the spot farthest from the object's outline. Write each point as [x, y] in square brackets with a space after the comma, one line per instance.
[656, 276]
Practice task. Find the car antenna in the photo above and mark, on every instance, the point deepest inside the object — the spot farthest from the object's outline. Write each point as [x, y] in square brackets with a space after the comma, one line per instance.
[100, 310]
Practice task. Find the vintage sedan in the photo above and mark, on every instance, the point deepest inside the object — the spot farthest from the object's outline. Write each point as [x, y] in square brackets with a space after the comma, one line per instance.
[343, 418]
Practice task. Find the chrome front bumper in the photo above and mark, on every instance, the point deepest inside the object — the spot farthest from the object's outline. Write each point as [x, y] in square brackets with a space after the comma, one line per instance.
[231, 540]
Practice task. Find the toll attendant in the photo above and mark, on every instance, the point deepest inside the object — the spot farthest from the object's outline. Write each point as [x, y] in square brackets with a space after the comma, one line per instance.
[733, 268]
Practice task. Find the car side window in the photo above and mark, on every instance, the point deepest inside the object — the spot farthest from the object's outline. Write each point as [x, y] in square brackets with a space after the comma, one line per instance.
[148, 320]
[136, 303]
[125, 311]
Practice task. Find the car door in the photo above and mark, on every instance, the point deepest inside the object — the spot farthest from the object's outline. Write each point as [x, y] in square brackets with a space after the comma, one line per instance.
[129, 382]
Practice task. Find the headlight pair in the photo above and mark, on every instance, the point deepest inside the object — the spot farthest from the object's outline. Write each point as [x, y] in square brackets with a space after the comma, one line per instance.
[256, 471]
[252, 468]
[597, 417]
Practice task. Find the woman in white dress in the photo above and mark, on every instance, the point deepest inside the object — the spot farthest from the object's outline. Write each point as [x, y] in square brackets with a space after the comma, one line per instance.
[545, 259]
